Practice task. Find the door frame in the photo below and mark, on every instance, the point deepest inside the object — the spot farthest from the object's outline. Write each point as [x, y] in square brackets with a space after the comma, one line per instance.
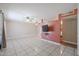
[60, 17]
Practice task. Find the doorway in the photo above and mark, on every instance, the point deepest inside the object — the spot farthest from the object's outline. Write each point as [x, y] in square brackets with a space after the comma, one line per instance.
[70, 30]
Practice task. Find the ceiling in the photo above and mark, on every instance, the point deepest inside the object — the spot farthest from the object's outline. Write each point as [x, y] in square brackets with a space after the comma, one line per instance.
[47, 11]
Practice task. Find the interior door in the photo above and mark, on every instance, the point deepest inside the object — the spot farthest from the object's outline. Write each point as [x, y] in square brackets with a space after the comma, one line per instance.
[70, 29]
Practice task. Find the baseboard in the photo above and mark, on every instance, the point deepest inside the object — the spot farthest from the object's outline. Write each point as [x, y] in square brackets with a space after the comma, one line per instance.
[70, 42]
[21, 37]
[51, 42]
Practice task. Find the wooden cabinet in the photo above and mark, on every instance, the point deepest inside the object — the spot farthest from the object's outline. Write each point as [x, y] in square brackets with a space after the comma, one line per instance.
[54, 32]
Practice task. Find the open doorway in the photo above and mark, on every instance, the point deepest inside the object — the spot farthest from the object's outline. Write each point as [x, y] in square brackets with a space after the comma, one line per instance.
[69, 28]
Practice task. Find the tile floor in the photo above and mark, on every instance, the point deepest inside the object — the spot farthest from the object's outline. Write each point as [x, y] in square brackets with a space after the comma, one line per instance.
[35, 47]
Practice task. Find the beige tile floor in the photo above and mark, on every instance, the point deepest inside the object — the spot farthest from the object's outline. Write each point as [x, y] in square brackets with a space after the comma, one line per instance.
[35, 47]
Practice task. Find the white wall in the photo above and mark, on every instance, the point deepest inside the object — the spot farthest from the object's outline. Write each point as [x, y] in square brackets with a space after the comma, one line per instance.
[17, 30]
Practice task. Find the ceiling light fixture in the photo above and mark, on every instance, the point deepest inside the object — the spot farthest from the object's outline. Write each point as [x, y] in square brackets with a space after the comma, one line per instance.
[31, 19]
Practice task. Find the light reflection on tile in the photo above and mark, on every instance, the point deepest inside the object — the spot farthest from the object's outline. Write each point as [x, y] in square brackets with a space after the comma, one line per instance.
[35, 47]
